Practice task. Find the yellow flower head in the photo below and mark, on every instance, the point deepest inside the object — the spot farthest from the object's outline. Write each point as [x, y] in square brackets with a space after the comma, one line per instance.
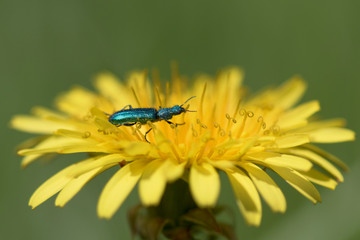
[243, 136]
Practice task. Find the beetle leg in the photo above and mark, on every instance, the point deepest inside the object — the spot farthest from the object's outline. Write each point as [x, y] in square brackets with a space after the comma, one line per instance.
[130, 107]
[129, 124]
[174, 124]
[146, 134]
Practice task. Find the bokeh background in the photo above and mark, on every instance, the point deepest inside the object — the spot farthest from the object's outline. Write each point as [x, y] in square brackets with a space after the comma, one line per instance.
[48, 46]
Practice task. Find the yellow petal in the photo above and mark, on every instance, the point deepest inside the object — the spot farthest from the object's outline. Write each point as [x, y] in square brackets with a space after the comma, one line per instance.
[118, 188]
[320, 178]
[106, 127]
[284, 96]
[153, 182]
[268, 189]
[84, 148]
[227, 86]
[96, 162]
[290, 161]
[111, 88]
[74, 134]
[139, 83]
[224, 165]
[299, 182]
[46, 143]
[291, 140]
[29, 159]
[36, 125]
[50, 142]
[261, 156]
[204, 184]
[51, 186]
[70, 148]
[322, 162]
[327, 155]
[195, 148]
[247, 197]
[42, 112]
[235, 77]
[174, 171]
[297, 116]
[331, 135]
[138, 148]
[290, 92]
[75, 185]
[314, 125]
[76, 102]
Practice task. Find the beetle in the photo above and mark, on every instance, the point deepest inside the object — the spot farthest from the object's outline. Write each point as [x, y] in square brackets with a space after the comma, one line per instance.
[131, 116]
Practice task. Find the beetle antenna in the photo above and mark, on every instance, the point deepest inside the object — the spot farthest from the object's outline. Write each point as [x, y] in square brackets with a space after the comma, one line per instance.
[187, 101]
[189, 110]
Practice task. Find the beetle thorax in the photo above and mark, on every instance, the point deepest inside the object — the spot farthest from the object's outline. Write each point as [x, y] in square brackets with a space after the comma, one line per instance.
[168, 113]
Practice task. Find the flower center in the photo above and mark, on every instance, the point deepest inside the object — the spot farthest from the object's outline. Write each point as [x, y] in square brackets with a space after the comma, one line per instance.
[233, 135]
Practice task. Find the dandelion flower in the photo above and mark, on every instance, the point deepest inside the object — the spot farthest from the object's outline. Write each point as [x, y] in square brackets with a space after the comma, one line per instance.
[243, 136]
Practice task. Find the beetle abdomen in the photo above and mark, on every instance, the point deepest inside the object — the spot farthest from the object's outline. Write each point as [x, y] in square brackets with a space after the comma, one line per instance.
[130, 116]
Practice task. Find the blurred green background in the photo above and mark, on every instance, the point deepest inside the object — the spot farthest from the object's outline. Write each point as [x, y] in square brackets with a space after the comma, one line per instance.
[48, 46]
